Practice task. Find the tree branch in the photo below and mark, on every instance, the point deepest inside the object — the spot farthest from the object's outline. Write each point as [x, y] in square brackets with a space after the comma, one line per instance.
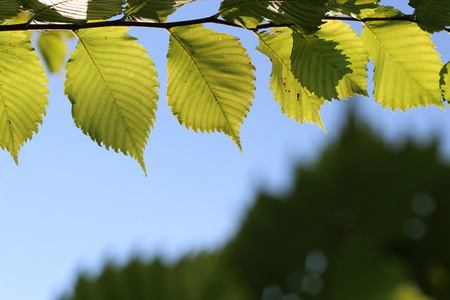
[168, 25]
[114, 23]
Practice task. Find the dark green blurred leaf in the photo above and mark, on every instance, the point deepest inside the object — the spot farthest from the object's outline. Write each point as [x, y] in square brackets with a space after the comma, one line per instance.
[365, 222]
[202, 277]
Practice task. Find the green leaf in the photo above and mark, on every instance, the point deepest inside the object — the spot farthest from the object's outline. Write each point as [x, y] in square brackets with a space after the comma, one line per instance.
[23, 91]
[382, 12]
[304, 13]
[53, 47]
[407, 68]
[295, 100]
[112, 84]
[328, 225]
[210, 80]
[73, 11]
[139, 280]
[355, 81]
[432, 15]
[152, 10]
[351, 8]
[318, 64]
[445, 82]
[9, 9]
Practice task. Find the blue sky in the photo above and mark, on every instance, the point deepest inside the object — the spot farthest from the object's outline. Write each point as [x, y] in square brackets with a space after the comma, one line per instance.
[70, 205]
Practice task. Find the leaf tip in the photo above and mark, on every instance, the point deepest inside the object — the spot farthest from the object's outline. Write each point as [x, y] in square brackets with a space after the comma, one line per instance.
[15, 156]
[140, 160]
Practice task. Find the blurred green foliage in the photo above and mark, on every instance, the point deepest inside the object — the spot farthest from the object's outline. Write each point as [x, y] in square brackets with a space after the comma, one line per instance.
[367, 221]
[54, 49]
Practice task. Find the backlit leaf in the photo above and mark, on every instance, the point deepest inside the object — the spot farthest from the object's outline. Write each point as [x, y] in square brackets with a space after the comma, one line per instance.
[73, 11]
[351, 8]
[318, 64]
[23, 91]
[407, 68]
[445, 82]
[9, 9]
[54, 49]
[355, 81]
[152, 10]
[210, 80]
[432, 15]
[382, 12]
[112, 84]
[296, 101]
[304, 13]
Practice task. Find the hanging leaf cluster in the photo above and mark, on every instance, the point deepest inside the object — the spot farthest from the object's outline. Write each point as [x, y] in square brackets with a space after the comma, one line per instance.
[112, 84]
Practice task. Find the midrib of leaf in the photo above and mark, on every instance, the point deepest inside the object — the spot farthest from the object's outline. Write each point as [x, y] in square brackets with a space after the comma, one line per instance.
[330, 4]
[271, 50]
[421, 7]
[109, 90]
[398, 63]
[207, 83]
[11, 133]
[134, 9]
[46, 9]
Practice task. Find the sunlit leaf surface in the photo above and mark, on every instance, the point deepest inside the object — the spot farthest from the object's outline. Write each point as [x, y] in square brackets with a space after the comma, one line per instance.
[355, 81]
[210, 80]
[295, 100]
[111, 84]
[318, 64]
[407, 68]
[23, 91]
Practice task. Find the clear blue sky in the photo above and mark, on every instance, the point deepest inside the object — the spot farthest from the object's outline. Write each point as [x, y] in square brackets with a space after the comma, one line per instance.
[70, 205]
